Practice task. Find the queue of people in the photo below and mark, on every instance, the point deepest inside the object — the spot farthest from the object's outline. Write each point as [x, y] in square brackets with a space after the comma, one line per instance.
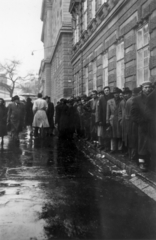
[121, 121]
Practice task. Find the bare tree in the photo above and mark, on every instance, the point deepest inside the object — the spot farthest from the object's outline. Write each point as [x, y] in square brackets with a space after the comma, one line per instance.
[10, 69]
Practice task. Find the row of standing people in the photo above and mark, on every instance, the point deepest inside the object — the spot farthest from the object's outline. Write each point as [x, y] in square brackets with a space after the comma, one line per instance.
[20, 114]
[122, 121]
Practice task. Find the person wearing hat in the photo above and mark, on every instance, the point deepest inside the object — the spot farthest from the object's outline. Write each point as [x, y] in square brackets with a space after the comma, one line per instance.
[131, 127]
[112, 121]
[15, 117]
[139, 116]
[122, 120]
[105, 141]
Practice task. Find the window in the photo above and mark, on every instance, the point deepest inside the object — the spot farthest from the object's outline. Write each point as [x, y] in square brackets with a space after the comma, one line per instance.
[94, 75]
[86, 80]
[93, 8]
[76, 30]
[120, 65]
[105, 69]
[84, 16]
[143, 54]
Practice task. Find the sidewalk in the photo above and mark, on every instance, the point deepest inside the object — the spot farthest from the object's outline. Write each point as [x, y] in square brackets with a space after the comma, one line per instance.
[146, 182]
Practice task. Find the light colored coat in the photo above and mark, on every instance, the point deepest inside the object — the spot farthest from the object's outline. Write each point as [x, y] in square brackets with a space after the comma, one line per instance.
[40, 117]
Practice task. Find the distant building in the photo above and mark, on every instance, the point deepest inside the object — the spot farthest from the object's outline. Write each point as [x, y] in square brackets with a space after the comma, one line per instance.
[3, 92]
[55, 72]
[114, 43]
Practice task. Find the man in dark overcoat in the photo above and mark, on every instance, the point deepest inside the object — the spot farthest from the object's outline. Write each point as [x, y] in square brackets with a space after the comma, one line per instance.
[50, 114]
[112, 120]
[122, 118]
[139, 116]
[131, 127]
[15, 117]
[151, 115]
[92, 106]
[102, 116]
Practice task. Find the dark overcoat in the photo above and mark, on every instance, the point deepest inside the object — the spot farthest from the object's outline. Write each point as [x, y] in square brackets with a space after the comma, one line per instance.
[139, 116]
[29, 114]
[112, 117]
[15, 116]
[122, 120]
[64, 113]
[151, 115]
[50, 114]
[3, 121]
[103, 108]
[131, 126]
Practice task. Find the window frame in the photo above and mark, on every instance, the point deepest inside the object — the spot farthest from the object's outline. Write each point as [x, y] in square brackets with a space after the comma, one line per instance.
[120, 65]
[142, 57]
[105, 69]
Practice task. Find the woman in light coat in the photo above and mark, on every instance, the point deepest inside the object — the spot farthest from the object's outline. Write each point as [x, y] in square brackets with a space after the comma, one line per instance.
[40, 120]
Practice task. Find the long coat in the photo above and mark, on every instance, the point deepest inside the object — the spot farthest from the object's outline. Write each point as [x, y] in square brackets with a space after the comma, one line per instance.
[131, 126]
[64, 116]
[122, 120]
[50, 114]
[3, 120]
[15, 116]
[112, 117]
[40, 117]
[103, 108]
[151, 115]
[139, 116]
[29, 113]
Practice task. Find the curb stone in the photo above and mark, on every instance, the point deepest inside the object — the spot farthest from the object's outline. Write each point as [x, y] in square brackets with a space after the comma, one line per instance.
[146, 182]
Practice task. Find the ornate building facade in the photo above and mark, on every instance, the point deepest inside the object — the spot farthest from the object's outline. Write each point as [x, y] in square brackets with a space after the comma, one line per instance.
[55, 72]
[114, 43]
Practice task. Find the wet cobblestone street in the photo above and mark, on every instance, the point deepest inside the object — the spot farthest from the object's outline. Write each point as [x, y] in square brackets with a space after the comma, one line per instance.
[51, 190]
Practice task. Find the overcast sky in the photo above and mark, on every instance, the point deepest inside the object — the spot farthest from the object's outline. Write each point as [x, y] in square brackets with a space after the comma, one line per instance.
[20, 33]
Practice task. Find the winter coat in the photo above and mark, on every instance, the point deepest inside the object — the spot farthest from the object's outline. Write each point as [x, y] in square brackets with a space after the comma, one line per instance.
[15, 116]
[40, 117]
[50, 114]
[132, 129]
[139, 116]
[151, 115]
[29, 113]
[122, 121]
[112, 117]
[3, 121]
[103, 108]
[64, 117]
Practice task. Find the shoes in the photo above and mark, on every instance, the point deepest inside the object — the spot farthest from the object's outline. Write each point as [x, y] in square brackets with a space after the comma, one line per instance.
[112, 151]
[142, 167]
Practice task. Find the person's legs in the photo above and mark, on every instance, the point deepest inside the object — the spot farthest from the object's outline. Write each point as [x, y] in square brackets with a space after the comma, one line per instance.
[113, 145]
[36, 132]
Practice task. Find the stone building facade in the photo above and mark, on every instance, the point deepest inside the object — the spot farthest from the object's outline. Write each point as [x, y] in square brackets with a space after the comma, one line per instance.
[114, 43]
[55, 71]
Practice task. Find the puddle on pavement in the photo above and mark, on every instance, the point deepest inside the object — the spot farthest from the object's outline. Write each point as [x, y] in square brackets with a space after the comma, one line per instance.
[53, 191]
